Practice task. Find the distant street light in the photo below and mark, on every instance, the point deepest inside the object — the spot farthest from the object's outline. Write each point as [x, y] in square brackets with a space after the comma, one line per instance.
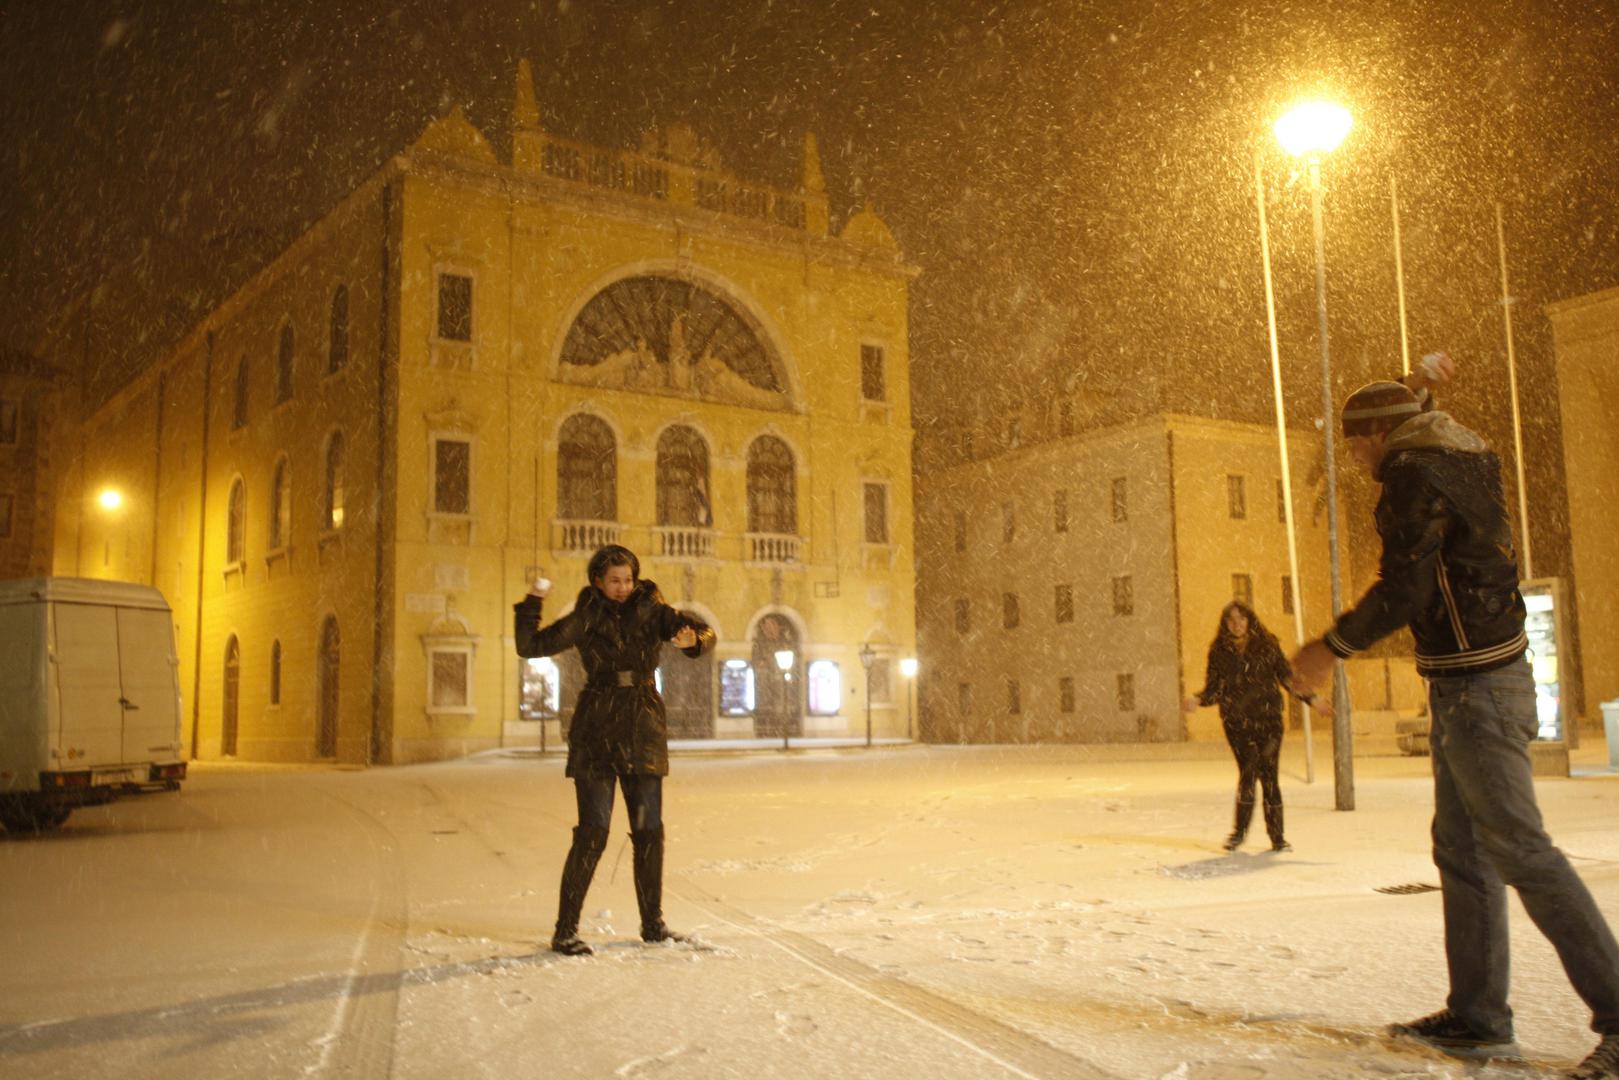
[907, 668]
[784, 663]
[867, 655]
[1309, 130]
[110, 498]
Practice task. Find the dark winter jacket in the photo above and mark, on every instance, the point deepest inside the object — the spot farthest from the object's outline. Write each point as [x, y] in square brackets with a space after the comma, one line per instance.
[1244, 682]
[618, 725]
[1448, 569]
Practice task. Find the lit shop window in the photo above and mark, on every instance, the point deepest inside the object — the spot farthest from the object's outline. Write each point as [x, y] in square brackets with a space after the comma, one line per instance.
[825, 688]
[541, 690]
[736, 688]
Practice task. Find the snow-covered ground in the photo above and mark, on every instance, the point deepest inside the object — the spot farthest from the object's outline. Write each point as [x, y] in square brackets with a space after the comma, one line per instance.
[902, 912]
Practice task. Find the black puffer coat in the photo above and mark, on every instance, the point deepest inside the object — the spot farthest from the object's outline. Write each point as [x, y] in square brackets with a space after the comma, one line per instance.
[1246, 683]
[618, 725]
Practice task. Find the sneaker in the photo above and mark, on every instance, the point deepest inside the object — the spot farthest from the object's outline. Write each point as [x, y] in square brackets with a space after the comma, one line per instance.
[659, 931]
[1603, 1064]
[1280, 845]
[1446, 1031]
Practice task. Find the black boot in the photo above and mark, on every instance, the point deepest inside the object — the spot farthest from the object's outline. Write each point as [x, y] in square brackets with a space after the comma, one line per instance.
[1273, 826]
[1239, 830]
[649, 886]
[588, 844]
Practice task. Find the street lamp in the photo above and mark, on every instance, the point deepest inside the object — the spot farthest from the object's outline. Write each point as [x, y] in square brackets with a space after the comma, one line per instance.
[867, 655]
[784, 664]
[907, 668]
[110, 498]
[1309, 130]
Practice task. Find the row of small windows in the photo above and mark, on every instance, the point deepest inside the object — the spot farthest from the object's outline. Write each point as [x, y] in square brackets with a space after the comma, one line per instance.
[337, 357]
[1236, 502]
[1242, 588]
[280, 508]
[327, 666]
[1124, 694]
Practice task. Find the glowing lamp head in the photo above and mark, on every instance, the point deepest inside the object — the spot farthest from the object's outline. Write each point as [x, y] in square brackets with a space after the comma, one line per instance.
[784, 659]
[907, 667]
[1313, 127]
[110, 499]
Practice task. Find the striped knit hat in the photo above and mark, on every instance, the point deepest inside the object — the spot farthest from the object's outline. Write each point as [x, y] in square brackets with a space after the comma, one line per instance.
[1379, 406]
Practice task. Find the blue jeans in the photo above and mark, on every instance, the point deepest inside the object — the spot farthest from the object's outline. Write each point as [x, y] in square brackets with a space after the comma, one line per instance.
[1487, 834]
[643, 799]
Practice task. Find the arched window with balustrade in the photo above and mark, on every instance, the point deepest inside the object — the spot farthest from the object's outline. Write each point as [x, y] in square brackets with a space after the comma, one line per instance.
[587, 481]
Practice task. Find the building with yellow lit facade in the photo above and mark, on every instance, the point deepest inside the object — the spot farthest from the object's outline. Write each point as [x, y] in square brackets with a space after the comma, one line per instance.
[1074, 569]
[474, 371]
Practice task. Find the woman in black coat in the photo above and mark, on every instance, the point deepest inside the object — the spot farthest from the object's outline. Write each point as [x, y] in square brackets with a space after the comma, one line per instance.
[618, 732]
[1246, 670]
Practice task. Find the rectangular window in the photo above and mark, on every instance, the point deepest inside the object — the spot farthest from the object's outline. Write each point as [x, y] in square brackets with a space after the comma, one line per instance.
[1065, 693]
[961, 530]
[871, 373]
[1242, 588]
[880, 680]
[1125, 691]
[1008, 522]
[1121, 499]
[1059, 510]
[452, 476]
[964, 698]
[5, 516]
[1065, 603]
[876, 513]
[1281, 503]
[1287, 594]
[450, 681]
[1010, 616]
[1014, 697]
[238, 414]
[825, 687]
[454, 307]
[1236, 498]
[1124, 598]
[963, 617]
[8, 422]
[1065, 418]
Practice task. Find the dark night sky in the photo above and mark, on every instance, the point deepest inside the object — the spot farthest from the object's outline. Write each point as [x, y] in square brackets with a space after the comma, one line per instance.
[1075, 180]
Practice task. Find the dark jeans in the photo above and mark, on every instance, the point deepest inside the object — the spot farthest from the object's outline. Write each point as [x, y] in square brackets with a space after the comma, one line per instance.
[1256, 743]
[643, 798]
[1487, 833]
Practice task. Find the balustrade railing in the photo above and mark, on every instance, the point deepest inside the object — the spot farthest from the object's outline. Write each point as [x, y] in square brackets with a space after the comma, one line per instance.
[781, 548]
[586, 535]
[684, 542]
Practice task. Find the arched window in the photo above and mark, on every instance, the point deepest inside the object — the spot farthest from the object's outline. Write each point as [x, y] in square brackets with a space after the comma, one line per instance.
[275, 672]
[331, 516]
[683, 478]
[283, 365]
[230, 706]
[235, 523]
[280, 505]
[587, 471]
[772, 487]
[326, 730]
[337, 352]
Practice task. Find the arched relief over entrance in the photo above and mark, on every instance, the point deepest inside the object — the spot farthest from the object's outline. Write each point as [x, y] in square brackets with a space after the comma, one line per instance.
[665, 334]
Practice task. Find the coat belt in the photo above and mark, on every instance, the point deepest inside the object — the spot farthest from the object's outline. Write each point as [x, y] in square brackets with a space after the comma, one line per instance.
[614, 680]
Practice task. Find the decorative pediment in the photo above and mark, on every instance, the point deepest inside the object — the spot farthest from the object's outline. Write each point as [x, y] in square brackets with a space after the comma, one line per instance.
[667, 335]
[454, 135]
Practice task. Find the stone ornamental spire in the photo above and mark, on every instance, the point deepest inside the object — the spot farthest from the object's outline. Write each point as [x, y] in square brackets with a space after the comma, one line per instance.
[528, 140]
[817, 217]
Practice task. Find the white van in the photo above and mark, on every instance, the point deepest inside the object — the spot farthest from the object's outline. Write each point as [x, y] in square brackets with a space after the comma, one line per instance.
[89, 697]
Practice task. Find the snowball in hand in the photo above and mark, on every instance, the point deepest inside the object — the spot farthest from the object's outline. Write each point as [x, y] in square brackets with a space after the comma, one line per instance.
[541, 586]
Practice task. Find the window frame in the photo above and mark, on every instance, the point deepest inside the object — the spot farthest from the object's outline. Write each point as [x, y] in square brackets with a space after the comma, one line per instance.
[436, 335]
[435, 439]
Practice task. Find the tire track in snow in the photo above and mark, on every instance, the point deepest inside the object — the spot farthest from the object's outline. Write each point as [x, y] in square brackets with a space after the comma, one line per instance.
[1017, 1052]
[359, 1041]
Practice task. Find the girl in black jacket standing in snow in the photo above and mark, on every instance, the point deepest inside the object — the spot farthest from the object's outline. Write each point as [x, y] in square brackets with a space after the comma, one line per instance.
[619, 732]
[1246, 668]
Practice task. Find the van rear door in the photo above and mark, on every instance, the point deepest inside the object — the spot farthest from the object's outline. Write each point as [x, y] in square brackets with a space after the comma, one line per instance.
[146, 664]
[87, 680]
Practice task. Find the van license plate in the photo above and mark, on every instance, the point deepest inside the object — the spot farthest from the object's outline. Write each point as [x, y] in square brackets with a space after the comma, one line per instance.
[114, 776]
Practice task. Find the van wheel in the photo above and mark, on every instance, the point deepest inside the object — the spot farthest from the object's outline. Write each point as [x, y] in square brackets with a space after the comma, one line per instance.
[22, 818]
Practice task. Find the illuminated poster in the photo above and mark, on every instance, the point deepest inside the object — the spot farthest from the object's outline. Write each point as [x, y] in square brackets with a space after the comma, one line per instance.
[1541, 625]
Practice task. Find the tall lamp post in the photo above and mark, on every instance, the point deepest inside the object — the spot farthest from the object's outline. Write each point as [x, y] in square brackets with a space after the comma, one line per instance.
[867, 655]
[784, 664]
[907, 668]
[1309, 130]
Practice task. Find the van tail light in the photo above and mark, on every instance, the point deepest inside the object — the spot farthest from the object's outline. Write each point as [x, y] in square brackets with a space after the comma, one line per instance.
[176, 771]
[65, 779]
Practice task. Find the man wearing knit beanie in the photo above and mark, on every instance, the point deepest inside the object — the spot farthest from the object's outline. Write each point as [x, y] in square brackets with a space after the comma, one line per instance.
[1448, 571]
